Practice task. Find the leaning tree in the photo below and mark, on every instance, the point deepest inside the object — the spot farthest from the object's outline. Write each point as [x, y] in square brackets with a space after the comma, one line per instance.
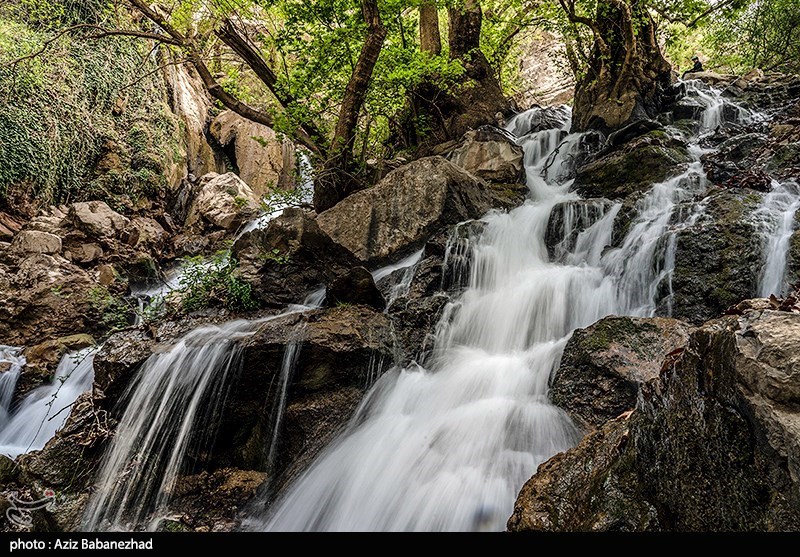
[626, 74]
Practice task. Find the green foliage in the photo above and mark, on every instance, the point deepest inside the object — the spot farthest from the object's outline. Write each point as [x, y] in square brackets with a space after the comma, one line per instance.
[205, 283]
[112, 311]
[85, 119]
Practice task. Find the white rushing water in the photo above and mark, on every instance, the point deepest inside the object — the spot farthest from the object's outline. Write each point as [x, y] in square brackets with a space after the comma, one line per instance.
[171, 396]
[777, 215]
[448, 447]
[11, 363]
[45, 409]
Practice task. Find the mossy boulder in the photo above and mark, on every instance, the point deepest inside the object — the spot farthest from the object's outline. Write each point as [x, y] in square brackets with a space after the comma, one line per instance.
[603, 365]
[711, 446]
[717, 260]
[633, 166]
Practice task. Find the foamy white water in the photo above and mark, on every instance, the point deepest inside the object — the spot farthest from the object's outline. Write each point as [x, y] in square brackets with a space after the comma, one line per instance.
[448, 447]
[777, 215]
[45, 409]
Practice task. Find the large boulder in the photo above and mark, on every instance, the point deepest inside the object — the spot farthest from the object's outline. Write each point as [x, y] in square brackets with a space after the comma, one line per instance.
[489, 153]
[290, 258]
[46, 297]
[346, 347]
[712, 445]
[356, 286]
[34, 241]
[264, 160]
[223, 201]
[633, 166]
[718, 259]
[405, 208]
[96, 219]
[117, 361]
[604, 365]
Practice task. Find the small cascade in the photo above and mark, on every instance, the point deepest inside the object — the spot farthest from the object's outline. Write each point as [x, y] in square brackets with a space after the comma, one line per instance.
[777, 214]
[290, 355]
[11, 363]
[173, 393]
[717, 110]
[45, 409]
[390, 272]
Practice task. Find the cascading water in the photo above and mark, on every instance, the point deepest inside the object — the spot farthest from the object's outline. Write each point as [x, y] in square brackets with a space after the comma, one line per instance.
[45, 409]
[170, 395]
[448, 447]
[777, 213]
[11, 363]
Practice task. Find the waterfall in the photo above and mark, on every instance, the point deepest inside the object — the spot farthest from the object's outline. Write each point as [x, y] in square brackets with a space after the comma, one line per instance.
[11, 363]
[45, 409]
[777, 215]
[172, 394]
[448, 446]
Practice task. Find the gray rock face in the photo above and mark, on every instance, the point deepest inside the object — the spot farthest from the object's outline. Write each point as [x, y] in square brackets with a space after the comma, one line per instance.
[264, 160]
[96, 219]
[405, 208]
[33, 241]
[605, 364]
[718, 260]
[712, 445]
[490, 154]
[223, 201]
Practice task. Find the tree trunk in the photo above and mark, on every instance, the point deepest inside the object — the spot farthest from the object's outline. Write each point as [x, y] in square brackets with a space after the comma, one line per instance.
[430, 40]
[627, 74]
[336, 180]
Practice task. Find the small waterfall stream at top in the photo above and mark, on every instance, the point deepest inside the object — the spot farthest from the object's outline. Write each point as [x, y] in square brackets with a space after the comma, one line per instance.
[447, 447]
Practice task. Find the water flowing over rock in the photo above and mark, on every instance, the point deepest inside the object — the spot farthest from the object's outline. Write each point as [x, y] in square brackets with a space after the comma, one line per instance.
[403, 209]
[711, 446]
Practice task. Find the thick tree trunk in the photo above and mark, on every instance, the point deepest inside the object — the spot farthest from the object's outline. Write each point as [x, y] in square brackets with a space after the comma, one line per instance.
[627, 73]
[335, 181]
[430, 40]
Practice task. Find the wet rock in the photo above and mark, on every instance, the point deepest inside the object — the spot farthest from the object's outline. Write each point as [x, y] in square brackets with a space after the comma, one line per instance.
[633, 130]
[547, 118]
[290, 258]
[718, 259]
[604, 365]
[356, 286]
[222, 202]
[311, 423]
[490, 154]
[212, 501]
[565, 487]
[568, 220]
[115, 364]
[712, 444]
[33, 241]
[336, 348]
[69, 461]
[634, 166]
[404, 208]
[264, 160]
